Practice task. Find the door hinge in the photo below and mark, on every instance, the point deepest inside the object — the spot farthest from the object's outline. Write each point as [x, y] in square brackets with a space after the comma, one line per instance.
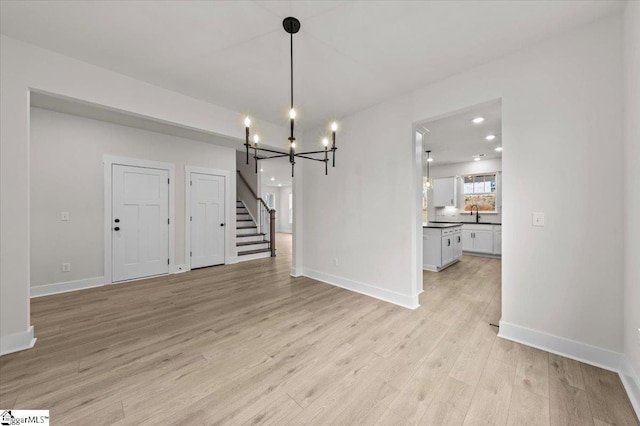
[167, 261]
[168, 180]
[168, 221]
[191, 218]
[190, 183]
[191, 253]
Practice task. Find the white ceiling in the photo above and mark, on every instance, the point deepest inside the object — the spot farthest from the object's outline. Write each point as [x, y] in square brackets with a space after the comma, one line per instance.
[456, 139]
[348, 55]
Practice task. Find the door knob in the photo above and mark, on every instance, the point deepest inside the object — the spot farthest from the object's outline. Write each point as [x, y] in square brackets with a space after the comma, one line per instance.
[117, 228]
[222, 224]
[117, 221]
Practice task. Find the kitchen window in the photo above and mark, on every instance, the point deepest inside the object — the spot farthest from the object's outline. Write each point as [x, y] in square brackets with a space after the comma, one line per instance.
[480, 190]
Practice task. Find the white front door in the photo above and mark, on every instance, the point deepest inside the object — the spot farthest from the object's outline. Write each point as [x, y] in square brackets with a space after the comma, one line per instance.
[140, 222]
[207, 220]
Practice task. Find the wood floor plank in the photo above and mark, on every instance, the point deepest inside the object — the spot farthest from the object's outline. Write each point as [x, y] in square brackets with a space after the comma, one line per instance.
[568, 405]
[249, 344]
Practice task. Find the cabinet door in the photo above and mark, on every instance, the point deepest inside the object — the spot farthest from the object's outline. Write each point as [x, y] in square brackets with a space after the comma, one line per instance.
[447, 249]
[497, 242]
[483, 241]
[444, 193]
[457, 245]
[467, 240]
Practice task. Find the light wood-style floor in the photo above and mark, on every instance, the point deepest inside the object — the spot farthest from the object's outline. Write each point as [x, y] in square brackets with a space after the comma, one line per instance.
[248, 344]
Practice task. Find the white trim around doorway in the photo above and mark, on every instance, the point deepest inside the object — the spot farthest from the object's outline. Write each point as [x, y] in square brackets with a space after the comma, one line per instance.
[109, 161]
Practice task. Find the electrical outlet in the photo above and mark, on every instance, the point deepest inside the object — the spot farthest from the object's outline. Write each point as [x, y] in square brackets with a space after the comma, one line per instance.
[335, 261]
[66, 267]
[64, 216]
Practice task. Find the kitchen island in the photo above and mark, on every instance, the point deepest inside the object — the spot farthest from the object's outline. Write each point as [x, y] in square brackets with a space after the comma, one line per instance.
[441, 245]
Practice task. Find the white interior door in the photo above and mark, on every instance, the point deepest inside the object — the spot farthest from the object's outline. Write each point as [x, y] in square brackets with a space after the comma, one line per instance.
[207, 220]
[140, 222]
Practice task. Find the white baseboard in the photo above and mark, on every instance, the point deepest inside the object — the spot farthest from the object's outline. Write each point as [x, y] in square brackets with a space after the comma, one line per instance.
[603, 358]
[48, 289]
[17, 342]
[631, 384]
[295, 273]
[410, 302]
[231, 260]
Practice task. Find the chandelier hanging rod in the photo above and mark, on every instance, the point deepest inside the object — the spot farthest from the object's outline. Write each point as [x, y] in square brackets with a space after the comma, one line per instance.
[292, 26]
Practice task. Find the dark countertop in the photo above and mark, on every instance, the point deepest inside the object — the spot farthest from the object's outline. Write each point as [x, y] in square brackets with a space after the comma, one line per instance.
[467, 223]
[441, 225]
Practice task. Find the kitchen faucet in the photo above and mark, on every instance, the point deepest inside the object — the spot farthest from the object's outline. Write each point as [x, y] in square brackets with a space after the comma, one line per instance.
[477, 212]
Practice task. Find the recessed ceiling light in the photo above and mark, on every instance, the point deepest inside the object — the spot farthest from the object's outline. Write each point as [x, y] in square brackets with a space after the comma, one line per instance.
[490, 137]
[476, 159]
[430, 159]
[272, 179]
[279, 184]
[262, 170]
[499, 148]
[478, 120]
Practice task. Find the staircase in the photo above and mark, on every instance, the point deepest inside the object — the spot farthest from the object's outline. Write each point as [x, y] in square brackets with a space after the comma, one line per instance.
[250, 243]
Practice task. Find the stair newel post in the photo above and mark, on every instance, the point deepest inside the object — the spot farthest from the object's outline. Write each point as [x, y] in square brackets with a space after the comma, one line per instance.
[272, 231]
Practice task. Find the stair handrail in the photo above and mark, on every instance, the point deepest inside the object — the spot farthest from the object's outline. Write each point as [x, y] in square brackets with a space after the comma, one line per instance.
[272, 215]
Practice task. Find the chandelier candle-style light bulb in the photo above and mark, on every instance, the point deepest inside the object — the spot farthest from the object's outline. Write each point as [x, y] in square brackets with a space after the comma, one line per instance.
[325, 142]
[292, 114]
[256, 139]
[247, 122]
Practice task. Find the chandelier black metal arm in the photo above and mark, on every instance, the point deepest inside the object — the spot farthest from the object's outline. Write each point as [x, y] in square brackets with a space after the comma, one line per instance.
[291, 26]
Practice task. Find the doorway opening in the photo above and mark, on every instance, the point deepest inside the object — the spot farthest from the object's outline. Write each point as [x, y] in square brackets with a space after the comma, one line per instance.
[460, 202]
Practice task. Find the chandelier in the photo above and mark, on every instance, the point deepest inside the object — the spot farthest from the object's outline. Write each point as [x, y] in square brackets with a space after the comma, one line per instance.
[292, 26]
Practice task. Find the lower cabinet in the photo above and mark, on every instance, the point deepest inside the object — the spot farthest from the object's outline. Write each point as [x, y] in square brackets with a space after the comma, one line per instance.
[441, 247]
[482, 239]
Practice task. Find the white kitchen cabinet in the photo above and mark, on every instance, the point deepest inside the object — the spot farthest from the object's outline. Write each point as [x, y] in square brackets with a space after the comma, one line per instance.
[481, 238]
[439, 247]
[444, 192]
[457, 245]
[483, 241]
[467, 239]
[497, 242]
[447, 249]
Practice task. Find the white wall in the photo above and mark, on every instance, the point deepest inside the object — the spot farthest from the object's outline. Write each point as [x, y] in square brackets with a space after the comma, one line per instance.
[361, 213]
[562, 108]
[282, 210]
[67, 174]
[24, 67]
[247, 171]
[632, 195]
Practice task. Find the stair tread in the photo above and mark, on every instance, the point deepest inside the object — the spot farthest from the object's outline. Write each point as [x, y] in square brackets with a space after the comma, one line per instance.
[246, 227]
[244, 220]
[240, 253]
[250, 243]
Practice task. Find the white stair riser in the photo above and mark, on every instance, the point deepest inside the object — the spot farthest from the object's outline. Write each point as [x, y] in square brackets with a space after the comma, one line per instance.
[258, 245]
[246, 231]
[242, 239]
[253, 256]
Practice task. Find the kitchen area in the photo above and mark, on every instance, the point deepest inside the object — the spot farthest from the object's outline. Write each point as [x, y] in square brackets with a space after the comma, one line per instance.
[462, 187]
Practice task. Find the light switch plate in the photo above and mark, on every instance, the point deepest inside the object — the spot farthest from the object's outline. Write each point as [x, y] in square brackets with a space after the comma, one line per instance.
[537, 219]
[64, 216]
